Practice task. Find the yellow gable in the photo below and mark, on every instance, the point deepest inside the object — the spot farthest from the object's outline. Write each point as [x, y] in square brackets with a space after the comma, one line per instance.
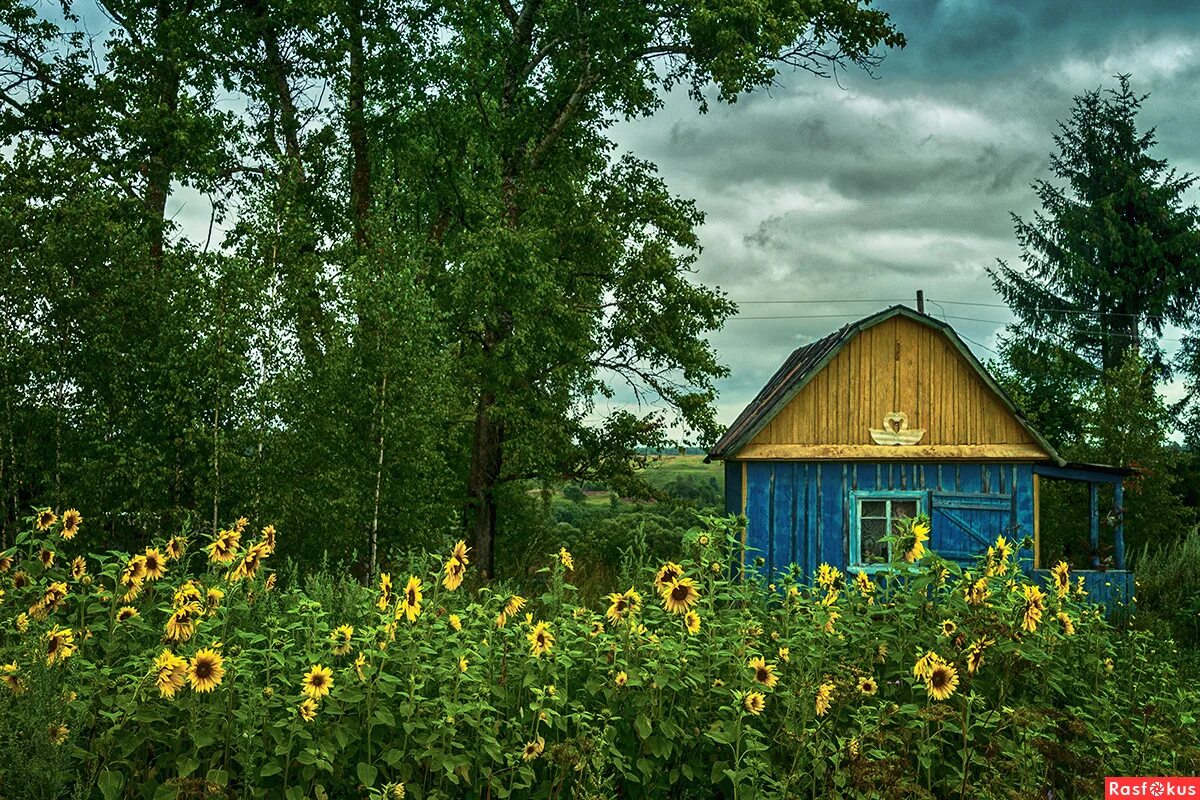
[896, 367]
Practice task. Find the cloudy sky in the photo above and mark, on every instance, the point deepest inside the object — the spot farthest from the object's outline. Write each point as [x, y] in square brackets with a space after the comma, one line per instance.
[852, 197]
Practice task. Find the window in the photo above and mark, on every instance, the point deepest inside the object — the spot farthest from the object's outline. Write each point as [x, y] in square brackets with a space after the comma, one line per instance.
[875, 516]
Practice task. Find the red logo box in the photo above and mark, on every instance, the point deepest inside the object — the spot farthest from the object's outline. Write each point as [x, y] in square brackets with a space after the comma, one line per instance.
[1151, 787]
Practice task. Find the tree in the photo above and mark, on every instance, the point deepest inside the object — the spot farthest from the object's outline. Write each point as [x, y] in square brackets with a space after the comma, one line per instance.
[563, 267]
[1112, 256]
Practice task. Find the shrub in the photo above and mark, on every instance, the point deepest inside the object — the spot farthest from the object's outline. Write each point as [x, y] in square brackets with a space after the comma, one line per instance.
[693, 679]
[1169, 587]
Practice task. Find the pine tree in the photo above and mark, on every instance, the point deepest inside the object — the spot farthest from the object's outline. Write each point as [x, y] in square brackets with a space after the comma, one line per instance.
[1113, 254]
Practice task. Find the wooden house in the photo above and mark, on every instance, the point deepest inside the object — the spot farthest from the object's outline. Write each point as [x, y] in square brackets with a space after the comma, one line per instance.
[889, 417]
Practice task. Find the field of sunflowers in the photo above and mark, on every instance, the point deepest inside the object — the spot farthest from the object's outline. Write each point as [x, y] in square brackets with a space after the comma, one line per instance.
[196, 669]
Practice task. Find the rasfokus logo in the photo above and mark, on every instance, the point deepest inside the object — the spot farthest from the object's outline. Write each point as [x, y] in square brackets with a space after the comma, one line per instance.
[1151, 787]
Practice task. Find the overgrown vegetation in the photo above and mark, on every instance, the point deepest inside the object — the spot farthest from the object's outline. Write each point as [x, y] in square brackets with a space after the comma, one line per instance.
[189, 670]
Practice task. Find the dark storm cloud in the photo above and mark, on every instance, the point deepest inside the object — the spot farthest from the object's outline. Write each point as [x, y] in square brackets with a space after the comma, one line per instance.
[872, 189]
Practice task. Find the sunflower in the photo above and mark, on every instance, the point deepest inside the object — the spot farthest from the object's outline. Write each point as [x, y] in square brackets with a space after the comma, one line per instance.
[21, 622]
[268, 539]
[692, 620]
[925, 664]
[514, 605]
[45, 518]
[58, 733]
[360, 661]
[317, 682]
[341, 637]
[170, 672]
[188, 592]
[533, 749]
[176, 548]
[1068, 625]
[20, 579]
[830, 578]
[566, 559]
[1035, 606]
[831, 621]
[667, 573]
[154, 563]
[308, 709]
[206, 670]
[182, 622]
[785, 654]
[864, 584]
[71, 521]
[410, 603]
[455, 622]
[621, 678]
[8, 672]
[978, 592]
[251, 562]
[455, 570]
[975, 654]
[55, 593]
[914, 540]
[394, 791]
[460, 551]
[60, 644]
[78, 567]
[463, 664]
[126, 613]
[764, 673]
[541, 640]
[949, 628]
[754, 702]
[6, 563]
[46, 556]
[715, 567]
[224, 547]
[212, 600]
[680, 595]
[824, 699]
[134, 571]
[867, 686]
[941, 681]
[1003, 549]
[270, 583]
[1062, 579]
[385, 591]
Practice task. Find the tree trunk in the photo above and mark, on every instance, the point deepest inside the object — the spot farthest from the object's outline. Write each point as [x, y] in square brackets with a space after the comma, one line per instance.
[486, 458]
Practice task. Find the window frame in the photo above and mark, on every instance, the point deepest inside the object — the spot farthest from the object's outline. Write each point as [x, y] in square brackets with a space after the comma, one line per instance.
[856, 500]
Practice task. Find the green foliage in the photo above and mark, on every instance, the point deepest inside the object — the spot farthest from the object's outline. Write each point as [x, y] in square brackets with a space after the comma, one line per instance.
[1169, 588]
[918, 681]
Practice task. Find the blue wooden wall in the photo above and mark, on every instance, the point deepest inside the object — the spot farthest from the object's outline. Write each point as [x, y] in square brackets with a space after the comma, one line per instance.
[800, 511]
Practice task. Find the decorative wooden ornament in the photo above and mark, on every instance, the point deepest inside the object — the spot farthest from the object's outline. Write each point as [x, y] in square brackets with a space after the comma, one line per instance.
[895, 430]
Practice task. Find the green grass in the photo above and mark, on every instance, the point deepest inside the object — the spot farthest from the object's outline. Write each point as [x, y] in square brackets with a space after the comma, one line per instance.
[662, 469]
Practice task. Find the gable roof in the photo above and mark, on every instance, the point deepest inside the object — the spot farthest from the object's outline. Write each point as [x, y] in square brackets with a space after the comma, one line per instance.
[808, 360]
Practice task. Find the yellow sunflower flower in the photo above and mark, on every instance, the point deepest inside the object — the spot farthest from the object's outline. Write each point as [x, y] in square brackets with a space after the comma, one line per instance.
[754, 702]
[308, 709]
[223, 549]
[455, 570]
[170, 672]
[182, 623]
[45, 519]
[977, 592]
[71, 521]
[692, 620]
[126, 613]
[1062, 579]
[1068, 625]
[58, 733]
[461, 551]
[680, 595]
[206, 670]
[463, 663]
[621, 678]
[176, 548]
[60, 644]
[785, 654]
[154, 564]
[541, 640]
[385, 592]
[455, 622]
[667, 573]
[566, 559]
[317, 682]
[824, 698]
[6, 563]
[410, 603]
[360, 661]
[533, 749]
[764, 673]
[47, 556]
[941, 681]
[949, 628]
[867, 686]
[78, 567]
[1034, 607]
[8, 673]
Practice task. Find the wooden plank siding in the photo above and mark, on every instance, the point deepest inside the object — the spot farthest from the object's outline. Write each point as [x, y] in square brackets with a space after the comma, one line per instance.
[801, 512]
[896, 365]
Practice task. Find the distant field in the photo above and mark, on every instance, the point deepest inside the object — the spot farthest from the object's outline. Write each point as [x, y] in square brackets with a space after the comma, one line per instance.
[662, 469]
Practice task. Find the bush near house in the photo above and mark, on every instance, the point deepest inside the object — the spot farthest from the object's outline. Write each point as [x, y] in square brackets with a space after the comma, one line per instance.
[189, 670]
